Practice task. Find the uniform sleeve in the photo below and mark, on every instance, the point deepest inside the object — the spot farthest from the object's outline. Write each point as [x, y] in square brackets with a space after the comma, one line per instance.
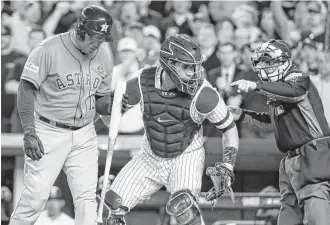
[37, 66]
[105, 86]
[257, 119]
[221, 117]
[215, 110]
[292, 90]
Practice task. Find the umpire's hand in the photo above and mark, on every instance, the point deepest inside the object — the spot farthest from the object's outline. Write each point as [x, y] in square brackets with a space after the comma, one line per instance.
[236, 111]
[33, 147]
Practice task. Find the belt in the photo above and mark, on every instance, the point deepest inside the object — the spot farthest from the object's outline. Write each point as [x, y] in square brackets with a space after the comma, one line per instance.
[57, 124]
[293, 153]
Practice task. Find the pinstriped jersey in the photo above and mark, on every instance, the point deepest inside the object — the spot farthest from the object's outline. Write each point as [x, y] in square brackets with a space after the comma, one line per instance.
[219, 115]
[66, 80]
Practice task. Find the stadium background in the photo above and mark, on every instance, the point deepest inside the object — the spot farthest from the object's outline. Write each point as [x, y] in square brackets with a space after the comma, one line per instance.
[227, 31]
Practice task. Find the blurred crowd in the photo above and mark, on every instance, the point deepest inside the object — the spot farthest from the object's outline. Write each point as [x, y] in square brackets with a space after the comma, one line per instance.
[228, 32]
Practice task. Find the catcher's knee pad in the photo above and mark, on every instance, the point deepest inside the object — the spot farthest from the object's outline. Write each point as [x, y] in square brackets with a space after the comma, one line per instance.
[113, 210]
[184, 207]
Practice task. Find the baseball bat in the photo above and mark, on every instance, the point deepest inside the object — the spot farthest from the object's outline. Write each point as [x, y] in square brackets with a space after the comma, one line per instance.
[120, 89]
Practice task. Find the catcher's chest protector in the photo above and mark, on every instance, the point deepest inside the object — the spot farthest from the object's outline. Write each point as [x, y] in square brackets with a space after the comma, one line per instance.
[166, 114]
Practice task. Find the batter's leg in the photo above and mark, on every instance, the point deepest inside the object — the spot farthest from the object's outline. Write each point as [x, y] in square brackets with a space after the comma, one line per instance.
[187, 174]
[39, 176]
[81, 169]
[137, 180]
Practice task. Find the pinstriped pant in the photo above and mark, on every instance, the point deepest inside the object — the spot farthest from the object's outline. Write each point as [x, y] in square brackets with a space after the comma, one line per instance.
[146, 173]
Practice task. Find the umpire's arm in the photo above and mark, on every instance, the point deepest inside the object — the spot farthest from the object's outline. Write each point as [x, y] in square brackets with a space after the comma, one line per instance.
[260, 120]
[292, 90]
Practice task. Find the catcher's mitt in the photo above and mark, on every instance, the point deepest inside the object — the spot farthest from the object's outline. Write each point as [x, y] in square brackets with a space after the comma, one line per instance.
[222, 178]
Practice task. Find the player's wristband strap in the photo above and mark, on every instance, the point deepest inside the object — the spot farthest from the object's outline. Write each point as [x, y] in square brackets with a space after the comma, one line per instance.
[29, 131]
[229, 155]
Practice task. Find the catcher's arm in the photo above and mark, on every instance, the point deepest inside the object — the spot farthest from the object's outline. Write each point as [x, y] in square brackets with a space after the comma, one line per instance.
[222, 174]
[211, 105]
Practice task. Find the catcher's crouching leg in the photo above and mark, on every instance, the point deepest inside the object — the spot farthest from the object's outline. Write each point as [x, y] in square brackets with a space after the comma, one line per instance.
[183, 206]
[113, 211]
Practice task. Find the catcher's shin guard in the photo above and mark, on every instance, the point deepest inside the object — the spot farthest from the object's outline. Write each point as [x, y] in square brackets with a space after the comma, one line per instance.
[113, 211]
[184, 208]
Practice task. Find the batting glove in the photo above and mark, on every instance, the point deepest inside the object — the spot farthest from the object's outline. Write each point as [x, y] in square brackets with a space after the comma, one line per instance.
[33, 147]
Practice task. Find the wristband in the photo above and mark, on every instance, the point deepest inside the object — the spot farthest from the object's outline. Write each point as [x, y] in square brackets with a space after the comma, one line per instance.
[28, 130]
[229, 155]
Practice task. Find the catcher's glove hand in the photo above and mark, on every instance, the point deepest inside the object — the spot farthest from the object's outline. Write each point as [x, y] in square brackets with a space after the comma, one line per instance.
[33, 147]
[222, 178]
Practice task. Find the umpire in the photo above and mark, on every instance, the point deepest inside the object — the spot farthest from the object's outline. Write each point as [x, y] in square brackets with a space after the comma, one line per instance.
[301, 131]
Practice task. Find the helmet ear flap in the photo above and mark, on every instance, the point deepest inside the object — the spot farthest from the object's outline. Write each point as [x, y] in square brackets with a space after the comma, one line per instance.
[81, 27]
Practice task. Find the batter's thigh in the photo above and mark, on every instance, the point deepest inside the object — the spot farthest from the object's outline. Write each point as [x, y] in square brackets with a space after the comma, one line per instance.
[39, 176]
[81, 168]
[187, 172]
[137, 180]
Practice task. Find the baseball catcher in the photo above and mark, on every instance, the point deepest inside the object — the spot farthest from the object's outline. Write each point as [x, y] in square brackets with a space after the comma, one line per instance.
[175, 100]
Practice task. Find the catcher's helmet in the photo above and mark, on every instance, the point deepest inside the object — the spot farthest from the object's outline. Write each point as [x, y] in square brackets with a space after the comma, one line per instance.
[182, 49]
[272, 59]
[96, 22]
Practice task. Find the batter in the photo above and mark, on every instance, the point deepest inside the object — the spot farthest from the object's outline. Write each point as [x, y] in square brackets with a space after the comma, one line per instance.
[65, 79]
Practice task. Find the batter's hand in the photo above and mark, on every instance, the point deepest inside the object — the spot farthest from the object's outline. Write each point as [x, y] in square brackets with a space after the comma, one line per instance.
[124, 103]
[236, 111]
[222, 177]
[244, 85]
[33, 147]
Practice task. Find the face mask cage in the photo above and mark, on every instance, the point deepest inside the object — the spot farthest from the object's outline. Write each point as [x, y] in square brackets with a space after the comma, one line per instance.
[189, 74]
[269, 68]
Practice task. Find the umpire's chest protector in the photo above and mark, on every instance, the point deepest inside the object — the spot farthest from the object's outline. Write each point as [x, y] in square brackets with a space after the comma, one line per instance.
[166, 114]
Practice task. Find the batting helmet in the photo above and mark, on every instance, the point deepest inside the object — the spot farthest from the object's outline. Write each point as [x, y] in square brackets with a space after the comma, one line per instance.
[182, 49]
[96, 22]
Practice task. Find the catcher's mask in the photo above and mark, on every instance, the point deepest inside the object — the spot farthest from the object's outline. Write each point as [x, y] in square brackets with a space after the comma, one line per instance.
[181, 59]
[272, 60]
[95, 22]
